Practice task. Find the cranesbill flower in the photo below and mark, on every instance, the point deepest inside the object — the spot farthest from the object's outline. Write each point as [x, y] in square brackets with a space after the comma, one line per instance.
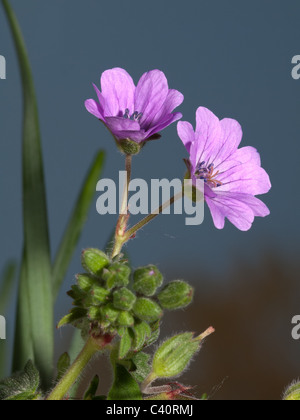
[232, 177]
[131, 112]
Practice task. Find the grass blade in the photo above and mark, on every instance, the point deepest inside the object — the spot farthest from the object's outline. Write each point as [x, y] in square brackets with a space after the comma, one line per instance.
[76, 223]
[36, 297]
[7, 283]
[6, 286]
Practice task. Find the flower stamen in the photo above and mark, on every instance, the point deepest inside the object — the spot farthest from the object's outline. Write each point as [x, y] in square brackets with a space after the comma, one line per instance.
[208, 175]
[136, 116]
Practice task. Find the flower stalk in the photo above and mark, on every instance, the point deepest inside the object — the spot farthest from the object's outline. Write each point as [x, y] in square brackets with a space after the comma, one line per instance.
[91, 348]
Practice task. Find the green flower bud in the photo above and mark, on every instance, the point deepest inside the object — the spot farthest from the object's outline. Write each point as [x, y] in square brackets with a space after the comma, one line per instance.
[129, 147]
[99, 294]
[94, 260]
[125, 319]
[109, 313]
[94, 313]
[147, 280]
[85, 282]
[175, 354]
[147, 310]
[116, 275]
[293, 392]
[177, 294]
[123, 299]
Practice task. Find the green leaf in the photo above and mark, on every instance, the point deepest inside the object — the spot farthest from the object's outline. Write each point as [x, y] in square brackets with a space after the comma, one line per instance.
[36, 276]
[142, 366]
[125, 344]
[8, 277]
[76, 314]
[63, 365]
[124, 388]
[7, 282]
[76, 223]
[21, 386]
[92, 389]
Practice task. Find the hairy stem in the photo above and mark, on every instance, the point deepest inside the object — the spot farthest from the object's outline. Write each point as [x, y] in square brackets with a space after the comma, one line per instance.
[123, 219]
[131, 232]
[91, 347]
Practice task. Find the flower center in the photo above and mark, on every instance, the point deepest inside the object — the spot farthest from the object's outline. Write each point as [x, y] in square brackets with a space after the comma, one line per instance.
[136, 116]
[207, 174]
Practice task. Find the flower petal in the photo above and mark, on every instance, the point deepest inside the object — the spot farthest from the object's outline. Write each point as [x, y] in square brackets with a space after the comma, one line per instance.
[173, 100]
[121, 124]
[186, 133]
[118, 91]
[245, 178]
[94, 108]
[100, 99]
[231, 207]
[150, 95]
[232, 134]
[208, 135]
[164, 123]
[240, 209]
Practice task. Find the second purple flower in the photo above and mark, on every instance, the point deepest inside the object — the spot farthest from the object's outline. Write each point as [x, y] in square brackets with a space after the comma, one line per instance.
[135, 113]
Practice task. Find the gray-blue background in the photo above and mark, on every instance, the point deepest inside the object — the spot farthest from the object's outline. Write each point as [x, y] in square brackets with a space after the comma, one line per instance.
[233, 57]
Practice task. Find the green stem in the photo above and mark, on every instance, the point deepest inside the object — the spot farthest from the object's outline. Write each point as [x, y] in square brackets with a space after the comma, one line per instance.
[152, 216]
[90, 349]
[123, 219]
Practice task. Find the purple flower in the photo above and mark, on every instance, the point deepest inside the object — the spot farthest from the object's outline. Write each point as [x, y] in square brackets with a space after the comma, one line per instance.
[135, 112]
[232, 177]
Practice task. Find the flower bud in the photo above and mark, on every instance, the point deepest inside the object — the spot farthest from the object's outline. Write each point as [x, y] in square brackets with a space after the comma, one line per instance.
[147, 310]
[94, 313]
[129, 147]
[175, 354]
[177, 294]
[99, 294]
[109, 314]
[94, 260]
[123, 299]
[116, 275]
[125, 319]
[147, 280]
[293, 392]
[85, 282]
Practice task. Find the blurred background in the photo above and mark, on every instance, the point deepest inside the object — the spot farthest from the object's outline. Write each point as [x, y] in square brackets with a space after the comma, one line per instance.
[233, 57]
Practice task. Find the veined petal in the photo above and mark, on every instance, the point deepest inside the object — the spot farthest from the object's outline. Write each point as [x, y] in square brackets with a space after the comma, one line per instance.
[136, 136]
[164, 123]
[208, 135]
[173, 100]
[186, 133]
[232, 207]
[230, 140]
[245, 178]
[118, 91]
[150, 95]
[94, 108]
[121, 124]
[100, 98]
